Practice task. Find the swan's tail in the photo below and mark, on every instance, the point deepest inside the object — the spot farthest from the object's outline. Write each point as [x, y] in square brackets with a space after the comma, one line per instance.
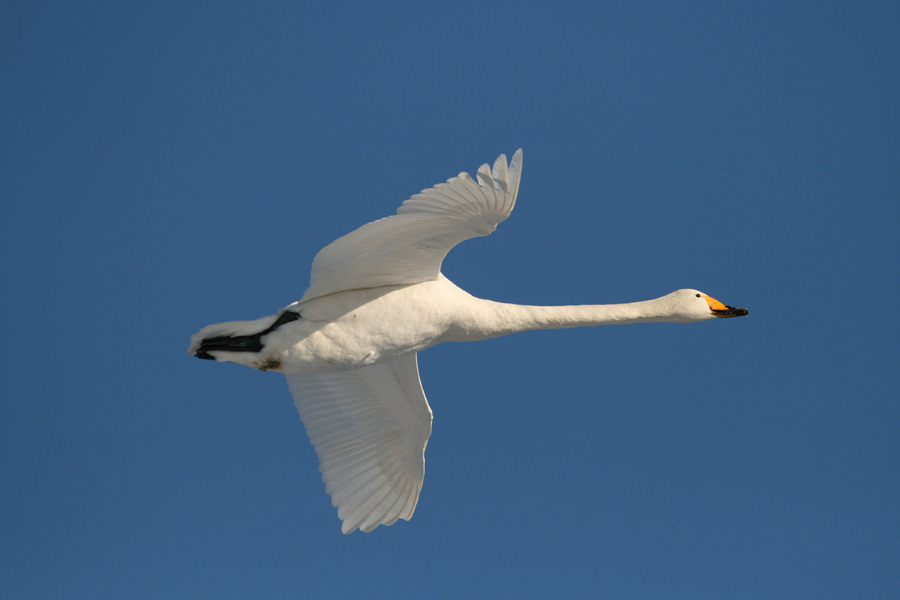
[236, 336]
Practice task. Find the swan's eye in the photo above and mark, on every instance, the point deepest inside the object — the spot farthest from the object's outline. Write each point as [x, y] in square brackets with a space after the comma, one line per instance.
[698, 295]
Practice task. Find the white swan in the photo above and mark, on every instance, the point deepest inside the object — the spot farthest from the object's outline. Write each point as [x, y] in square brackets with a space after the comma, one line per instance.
[376, 298]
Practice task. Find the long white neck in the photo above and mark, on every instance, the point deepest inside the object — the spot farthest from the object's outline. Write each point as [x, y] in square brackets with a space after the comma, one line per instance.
[491, 319]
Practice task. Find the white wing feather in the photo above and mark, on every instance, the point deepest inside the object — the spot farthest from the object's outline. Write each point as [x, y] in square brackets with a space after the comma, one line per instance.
[410, 246]
[369, 427]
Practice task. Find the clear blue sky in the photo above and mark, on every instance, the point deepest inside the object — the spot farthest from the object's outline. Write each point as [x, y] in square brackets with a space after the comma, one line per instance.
[169, 165]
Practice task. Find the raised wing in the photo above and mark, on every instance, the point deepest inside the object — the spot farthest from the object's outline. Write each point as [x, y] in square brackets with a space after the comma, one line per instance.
[369, 427]
[410, 246]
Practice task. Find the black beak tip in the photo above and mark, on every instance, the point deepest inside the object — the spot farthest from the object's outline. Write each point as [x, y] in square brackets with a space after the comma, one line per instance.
[731, 311]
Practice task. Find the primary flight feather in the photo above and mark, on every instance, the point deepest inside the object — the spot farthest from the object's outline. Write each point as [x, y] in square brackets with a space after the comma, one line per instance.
[376, 298]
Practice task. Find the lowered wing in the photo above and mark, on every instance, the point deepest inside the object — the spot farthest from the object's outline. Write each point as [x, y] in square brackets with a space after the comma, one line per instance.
[369, 427]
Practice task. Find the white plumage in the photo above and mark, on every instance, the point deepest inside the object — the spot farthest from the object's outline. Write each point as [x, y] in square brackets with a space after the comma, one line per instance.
[410, 246]
[376, 298]
[369, 427]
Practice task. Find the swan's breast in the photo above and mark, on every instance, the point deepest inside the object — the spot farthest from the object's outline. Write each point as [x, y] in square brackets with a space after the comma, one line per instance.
[356, 328]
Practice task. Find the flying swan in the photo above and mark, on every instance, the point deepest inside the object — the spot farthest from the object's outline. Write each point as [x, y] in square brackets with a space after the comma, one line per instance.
[376, 298]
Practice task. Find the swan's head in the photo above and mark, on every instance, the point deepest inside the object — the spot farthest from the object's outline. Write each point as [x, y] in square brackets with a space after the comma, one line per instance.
[693, 305]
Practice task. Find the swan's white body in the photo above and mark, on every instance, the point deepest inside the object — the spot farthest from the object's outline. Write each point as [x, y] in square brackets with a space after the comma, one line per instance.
[376, 298]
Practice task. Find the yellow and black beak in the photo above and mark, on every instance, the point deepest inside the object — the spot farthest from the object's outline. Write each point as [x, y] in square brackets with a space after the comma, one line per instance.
[723, 310]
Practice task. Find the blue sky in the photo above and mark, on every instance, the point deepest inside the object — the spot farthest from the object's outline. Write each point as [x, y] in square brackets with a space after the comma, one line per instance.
[170, 165]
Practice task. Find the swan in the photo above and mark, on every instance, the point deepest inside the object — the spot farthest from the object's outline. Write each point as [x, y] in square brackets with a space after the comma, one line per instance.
[376, 298]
